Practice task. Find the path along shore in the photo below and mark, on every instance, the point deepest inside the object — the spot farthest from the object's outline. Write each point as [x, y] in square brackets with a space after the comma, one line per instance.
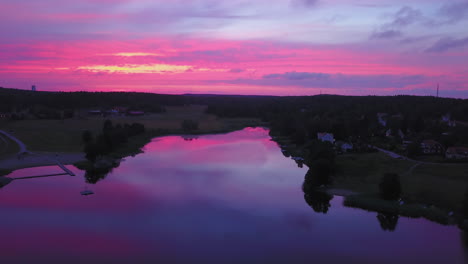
[28, 159]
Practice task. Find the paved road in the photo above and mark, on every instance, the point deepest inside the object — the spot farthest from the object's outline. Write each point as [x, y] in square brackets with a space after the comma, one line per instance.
[21, 145]
[398, 156]
[5, 142]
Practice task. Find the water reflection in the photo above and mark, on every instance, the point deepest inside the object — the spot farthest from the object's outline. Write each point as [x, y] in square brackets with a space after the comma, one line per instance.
[388, 222]
[229, 198]
[93, 176]
[318, 200]
[100, 169]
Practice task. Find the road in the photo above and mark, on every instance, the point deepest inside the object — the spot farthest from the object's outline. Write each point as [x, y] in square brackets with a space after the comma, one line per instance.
[21, 145]
[398, 156]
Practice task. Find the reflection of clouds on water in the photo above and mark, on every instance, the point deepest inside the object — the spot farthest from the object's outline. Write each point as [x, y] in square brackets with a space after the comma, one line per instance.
[206, 211]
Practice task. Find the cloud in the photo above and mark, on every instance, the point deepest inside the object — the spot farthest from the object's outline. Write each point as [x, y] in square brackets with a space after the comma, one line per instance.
[236, 70]
[404, 17]
[454, 12]
[306, 3]
[297, 76]
[335, 81]
[386, 34]
[445, 44]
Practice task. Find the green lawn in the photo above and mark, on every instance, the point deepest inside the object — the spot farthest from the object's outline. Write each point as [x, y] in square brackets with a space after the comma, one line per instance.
[442, 185]
[65, 135]
[7, 146]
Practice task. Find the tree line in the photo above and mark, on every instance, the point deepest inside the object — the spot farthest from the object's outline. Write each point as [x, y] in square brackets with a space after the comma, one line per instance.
[111, 137]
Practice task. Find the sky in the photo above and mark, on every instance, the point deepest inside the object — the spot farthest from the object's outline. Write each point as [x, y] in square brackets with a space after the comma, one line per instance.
[261, 47]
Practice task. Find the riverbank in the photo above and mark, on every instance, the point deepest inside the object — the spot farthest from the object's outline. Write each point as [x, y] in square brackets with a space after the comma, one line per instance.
[65, 136]
[37, 159]
[429, 190]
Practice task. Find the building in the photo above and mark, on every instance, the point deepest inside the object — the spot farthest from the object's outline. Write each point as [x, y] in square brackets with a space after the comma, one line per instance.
[431, 147]
[33, 88]
[447, 119]
[344, 146]
[382, 118]
[457, 153]
[400, 133]
[326, 137]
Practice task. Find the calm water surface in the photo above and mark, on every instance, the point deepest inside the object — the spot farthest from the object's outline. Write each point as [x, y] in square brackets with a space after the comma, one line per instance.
[230, 198]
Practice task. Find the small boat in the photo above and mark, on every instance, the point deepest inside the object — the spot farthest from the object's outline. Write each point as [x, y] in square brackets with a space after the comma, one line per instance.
[86, 192]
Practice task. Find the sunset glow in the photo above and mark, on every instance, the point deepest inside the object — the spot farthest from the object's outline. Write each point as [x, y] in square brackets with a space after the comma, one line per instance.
[280, 47]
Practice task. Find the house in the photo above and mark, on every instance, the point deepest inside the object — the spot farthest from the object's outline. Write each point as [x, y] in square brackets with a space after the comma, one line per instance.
[389, 133]
[344, 146]
[457, 153]
[326, 137]
[431, 147]
[382, 118]
[121, 109]
[112, 112]
[447, 119]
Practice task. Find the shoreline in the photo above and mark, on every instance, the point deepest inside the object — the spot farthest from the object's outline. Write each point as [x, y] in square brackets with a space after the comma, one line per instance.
[38, 159]
[42, 158]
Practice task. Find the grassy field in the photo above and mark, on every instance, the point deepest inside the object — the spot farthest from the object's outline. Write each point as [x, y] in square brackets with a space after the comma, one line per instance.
[7, 147]
[442, 185]
[65, 135]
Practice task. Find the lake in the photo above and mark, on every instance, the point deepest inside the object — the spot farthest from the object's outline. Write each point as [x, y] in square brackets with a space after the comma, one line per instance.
[230, 198]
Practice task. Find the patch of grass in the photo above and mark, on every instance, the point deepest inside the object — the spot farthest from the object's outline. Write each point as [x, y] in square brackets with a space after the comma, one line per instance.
[65, 135]
[363, 172]
[7, 147]
[441, 185]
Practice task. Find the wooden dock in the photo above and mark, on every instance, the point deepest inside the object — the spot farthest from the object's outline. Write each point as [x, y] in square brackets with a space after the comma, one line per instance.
[67, 171]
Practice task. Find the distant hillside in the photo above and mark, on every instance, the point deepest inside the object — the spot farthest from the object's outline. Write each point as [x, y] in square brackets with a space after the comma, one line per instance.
[244, 106]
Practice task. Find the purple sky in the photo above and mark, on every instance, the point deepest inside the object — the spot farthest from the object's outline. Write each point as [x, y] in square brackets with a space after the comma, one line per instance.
[280, 47]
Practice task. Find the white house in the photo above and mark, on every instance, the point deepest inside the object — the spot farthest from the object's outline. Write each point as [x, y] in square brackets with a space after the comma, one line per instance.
[382, 118]
[389, 133]
[448, 120]
[457, 153]
[344, 146]
[326, 137]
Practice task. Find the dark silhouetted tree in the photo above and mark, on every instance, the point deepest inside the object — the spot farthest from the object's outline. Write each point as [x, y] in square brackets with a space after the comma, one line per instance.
[388, 222]
[87, 136]
[319, 201]
[189, 125]
[390, 187]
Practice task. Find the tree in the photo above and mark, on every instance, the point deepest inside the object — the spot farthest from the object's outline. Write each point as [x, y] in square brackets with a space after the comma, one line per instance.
[87, 136]
[390, 187]
[189, 125]
[413, 149]
[320, 173]
[107, 126]
[319, 201]
[388, 222]
[91, 151]
[319, 150]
